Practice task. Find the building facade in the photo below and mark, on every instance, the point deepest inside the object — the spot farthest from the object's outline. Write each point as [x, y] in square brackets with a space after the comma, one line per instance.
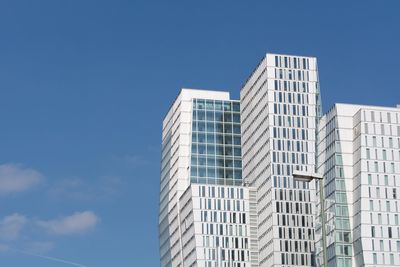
[227, 193]
[279, 110]
[359, 154]
[205, 211]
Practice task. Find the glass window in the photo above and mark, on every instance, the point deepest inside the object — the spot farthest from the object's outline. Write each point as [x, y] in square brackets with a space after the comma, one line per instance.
[227, 117]
[218, 105]
[210, 149]
[236, 140]
[227, 106]
[201, 149]
[236, 118]
[201, 126]
[211, 138]
[236, 106]
[237, 152]
[210, 127]
[228, 128]
[228, 139]
[200, 104]
[236, 129]
[219, 127]
[201, 138]
[210, 115]
[238, 174]
[209, 104]
[210, 161]
[211, 172]
[201, 161]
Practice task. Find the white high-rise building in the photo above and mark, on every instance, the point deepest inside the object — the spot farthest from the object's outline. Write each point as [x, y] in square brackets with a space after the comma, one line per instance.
[227, 193]
[279, 111]
[359, 156]
[206, 217]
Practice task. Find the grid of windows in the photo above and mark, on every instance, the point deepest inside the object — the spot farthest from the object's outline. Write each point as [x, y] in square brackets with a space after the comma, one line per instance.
[380, 144]
[216, 156]
[221, 216]
[280, 105]
[359, 148]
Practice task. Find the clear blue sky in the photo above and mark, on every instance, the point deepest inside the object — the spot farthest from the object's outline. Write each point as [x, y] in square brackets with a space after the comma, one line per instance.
[84, 86]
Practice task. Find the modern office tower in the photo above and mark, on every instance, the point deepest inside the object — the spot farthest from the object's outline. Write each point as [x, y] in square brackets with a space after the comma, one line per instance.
[359, 157]
[279, 110]
[206, 217]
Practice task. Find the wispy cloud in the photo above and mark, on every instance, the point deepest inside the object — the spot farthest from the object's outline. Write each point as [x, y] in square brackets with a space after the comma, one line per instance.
[50, 258]
[135, 161]
[86, 190]
[15, 178]
[11, 226]
[79, 222]
[39, 246]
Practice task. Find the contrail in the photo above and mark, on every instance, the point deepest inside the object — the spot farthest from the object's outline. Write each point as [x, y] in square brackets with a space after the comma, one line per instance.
[49, 258]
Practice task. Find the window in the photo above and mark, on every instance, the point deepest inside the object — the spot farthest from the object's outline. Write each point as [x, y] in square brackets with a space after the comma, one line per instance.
[372, 231]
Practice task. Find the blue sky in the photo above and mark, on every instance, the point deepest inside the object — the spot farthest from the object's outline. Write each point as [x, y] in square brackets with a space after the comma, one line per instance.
[84, 86]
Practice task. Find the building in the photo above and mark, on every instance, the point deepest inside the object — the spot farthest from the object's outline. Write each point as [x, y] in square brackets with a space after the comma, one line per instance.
[279, 110]
[207, 216]
[227, 193]
[359, 154]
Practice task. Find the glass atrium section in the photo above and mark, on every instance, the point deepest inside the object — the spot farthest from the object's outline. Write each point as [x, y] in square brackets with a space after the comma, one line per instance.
[216, 156]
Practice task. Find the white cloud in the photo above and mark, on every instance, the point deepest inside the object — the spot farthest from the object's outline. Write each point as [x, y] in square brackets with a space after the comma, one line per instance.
[79, 222]
[14, 178]
[86, 190]
[11, 226]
